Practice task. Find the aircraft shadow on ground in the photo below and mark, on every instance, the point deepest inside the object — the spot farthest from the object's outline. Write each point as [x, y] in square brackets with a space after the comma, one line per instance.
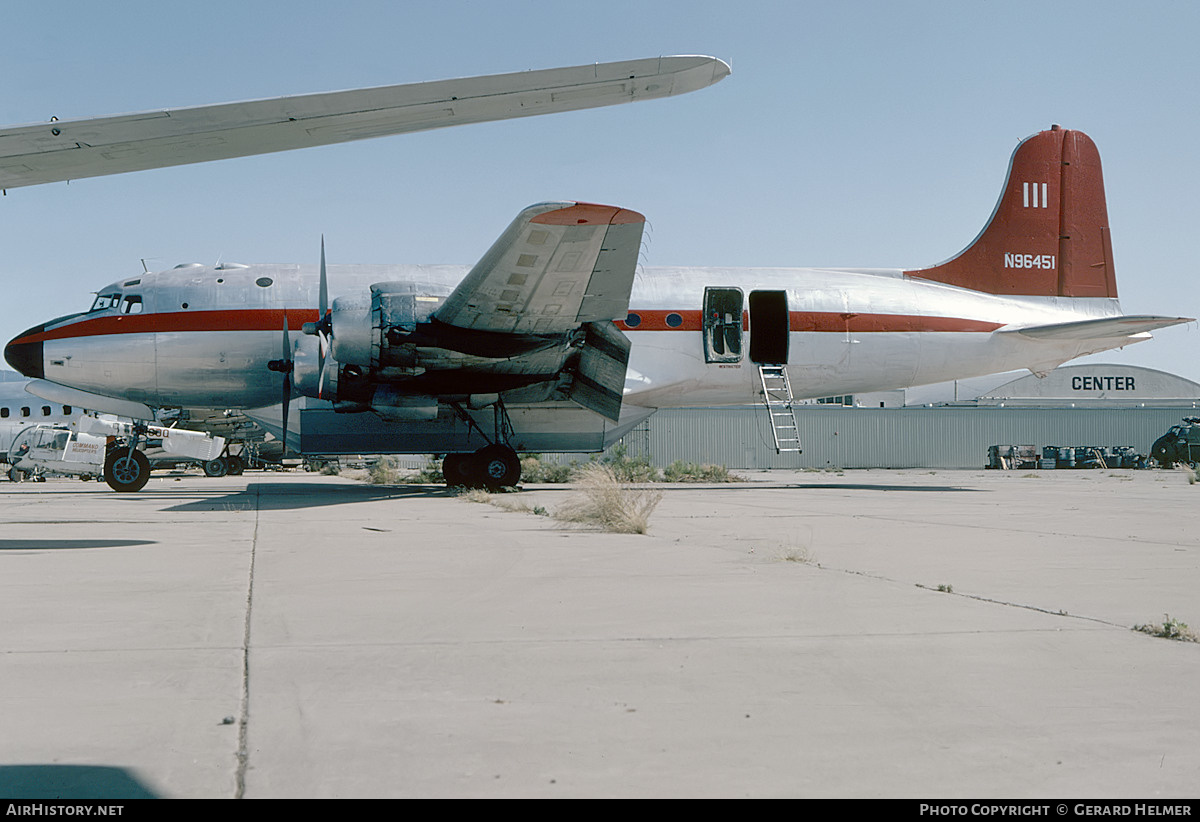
[861, 486]
[779, 486]
[67, 545]
[277, 496]
[71, 782]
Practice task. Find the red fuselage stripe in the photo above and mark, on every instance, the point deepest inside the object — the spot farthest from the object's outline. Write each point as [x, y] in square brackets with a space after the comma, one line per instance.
[237, 319]
[270, 319]
[819, 321]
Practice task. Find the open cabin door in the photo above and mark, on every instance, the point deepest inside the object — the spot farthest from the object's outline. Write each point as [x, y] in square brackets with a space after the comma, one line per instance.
[770, 323]
[722, 325]
[769, 326]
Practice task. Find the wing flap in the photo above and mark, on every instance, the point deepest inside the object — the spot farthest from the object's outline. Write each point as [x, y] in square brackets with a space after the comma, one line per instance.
[1104, 328]
[600, 376]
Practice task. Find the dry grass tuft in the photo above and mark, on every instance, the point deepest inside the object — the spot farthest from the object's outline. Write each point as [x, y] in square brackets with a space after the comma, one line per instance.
[1170, 628]
[797, 553]
[384, 471]
[602, 501]
[1193, 474]
[680, 471]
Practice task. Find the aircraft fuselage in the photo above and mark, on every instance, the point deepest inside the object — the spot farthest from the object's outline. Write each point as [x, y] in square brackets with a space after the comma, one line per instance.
[203, 336]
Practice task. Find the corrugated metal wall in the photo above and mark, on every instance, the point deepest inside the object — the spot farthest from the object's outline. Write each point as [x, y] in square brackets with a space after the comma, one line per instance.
[933, 437]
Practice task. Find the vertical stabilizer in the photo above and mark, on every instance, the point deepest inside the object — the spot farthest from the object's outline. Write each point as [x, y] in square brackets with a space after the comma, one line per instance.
[1048, 235]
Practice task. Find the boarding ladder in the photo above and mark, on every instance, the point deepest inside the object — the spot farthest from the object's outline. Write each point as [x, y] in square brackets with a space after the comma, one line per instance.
[777, 394]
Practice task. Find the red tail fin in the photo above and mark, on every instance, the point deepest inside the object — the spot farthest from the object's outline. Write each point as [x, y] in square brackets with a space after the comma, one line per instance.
[1049, 233]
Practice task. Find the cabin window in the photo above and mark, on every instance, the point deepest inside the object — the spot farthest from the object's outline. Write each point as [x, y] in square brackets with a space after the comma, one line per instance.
[66, 409]
[132, 304]
[24, 410]
[45, 410]
[3, 413]
[722, 325]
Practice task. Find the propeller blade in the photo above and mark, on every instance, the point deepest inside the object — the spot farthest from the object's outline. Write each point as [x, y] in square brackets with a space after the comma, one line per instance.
[321, 357]
[323, 297]
[287, 379]
[287, 348]
[322, 323]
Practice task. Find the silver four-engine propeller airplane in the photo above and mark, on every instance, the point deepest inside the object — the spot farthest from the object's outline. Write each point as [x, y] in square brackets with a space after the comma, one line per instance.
[551, 343]
[78, 148]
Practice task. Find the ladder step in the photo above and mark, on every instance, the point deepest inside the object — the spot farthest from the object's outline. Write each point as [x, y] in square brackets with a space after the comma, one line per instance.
[781, 412]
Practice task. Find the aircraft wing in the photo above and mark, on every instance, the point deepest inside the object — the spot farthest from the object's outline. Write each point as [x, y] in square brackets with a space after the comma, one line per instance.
[1104, 328]
[87, 400]
[557, 266]
[74, 149]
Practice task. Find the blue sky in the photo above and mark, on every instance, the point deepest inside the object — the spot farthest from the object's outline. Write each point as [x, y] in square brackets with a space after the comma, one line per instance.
[850, 134]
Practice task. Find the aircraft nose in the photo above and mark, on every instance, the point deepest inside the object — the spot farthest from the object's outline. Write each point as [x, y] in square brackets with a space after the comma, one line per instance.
[25, 356]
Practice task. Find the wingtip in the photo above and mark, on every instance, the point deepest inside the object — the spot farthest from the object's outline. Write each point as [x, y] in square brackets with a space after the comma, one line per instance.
[703, 69]
[721, 68]
[590, 214]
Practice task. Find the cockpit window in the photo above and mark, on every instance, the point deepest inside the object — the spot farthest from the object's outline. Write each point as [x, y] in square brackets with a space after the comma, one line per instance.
[132, 304]
[104, 301]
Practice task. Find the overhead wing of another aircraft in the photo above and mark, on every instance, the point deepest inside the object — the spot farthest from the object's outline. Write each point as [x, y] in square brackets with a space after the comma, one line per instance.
[74, 149]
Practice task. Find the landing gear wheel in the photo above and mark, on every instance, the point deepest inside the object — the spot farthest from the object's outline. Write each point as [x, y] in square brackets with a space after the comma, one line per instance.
[216, 468]
[17, 475]
[456, 468]
[126, 472]
[236, 465]
[497, 466]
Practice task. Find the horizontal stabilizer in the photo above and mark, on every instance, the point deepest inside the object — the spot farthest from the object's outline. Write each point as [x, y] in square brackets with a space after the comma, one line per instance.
[1105, 328]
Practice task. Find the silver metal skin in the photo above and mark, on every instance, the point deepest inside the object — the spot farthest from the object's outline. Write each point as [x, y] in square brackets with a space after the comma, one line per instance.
[228, 367]
[531, 322]
[76, 148]
[553, 315]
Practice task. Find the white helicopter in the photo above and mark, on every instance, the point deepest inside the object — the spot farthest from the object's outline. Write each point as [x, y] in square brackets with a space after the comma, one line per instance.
[550, 343]
[94, 446]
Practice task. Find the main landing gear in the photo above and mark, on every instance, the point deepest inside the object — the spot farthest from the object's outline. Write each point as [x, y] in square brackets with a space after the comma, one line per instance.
[230, 465]
[494, 466]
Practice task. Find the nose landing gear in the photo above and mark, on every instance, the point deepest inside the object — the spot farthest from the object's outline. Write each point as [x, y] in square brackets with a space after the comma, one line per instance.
[126, 469]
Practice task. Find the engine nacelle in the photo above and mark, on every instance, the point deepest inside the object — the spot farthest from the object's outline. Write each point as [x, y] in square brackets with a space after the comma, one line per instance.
[306, 369]
[372, 331]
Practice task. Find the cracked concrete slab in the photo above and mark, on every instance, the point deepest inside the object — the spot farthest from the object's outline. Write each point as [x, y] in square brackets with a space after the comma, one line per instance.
[289, 635]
